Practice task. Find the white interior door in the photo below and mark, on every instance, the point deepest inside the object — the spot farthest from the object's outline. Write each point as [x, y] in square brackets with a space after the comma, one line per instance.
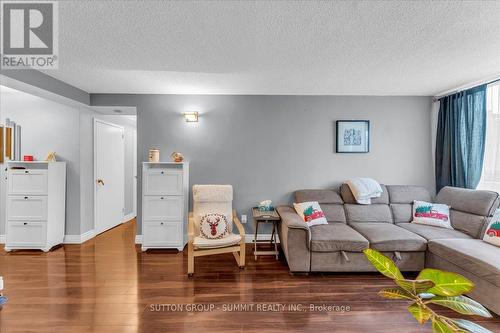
[109, 174]
[134, 180]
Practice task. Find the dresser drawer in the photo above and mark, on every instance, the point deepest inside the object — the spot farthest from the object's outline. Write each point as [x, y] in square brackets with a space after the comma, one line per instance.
[166, 234]
[26, 233]
[163, 182]
[165, 208]
[27, 208]
[27, 182]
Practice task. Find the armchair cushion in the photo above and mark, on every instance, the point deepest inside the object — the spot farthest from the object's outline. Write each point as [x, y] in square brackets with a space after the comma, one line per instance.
[213, 193]
[203, 243]
[212, 199]
[213, 226]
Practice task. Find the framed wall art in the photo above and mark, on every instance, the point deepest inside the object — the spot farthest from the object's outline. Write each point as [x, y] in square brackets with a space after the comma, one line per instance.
[353, 136]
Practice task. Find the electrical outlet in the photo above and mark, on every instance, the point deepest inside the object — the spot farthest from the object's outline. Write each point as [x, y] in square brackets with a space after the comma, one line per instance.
[243, 219]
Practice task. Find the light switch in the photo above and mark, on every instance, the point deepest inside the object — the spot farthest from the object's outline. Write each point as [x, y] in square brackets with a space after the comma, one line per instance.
[243, 219]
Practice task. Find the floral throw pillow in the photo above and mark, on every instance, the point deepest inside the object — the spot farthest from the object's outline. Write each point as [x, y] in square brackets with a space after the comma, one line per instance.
[434, 214]
[492, 234]
[213, 226]
[310, 212]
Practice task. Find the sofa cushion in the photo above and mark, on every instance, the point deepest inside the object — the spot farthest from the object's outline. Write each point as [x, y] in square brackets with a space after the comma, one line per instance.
[401, 199]
[406, 194]
[368, 213]
[430, 232]
[330, 201]
[471, 224]
[334, 237]
[334, 212]
[321, 196]
[402, 212]
[348, 197]
[473, 255]
[470, 209]
[476, 202]
[389, 237]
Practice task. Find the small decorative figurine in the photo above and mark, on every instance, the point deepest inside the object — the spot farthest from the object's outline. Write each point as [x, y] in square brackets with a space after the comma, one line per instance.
[177, 157]
[51, 157]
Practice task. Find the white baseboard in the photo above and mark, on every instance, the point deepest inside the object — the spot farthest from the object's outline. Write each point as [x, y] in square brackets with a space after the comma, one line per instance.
[248, 238]
[129, 217]
[138, 239]
[79, 239]
[264, 237]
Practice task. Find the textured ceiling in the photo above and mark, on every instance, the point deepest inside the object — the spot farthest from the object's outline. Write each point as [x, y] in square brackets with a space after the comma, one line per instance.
[275, 47]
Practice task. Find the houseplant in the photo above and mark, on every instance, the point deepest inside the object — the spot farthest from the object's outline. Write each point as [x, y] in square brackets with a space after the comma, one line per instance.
[432, 286]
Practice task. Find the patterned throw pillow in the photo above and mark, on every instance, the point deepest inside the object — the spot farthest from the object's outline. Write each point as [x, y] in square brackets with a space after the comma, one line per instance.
[213, 226]
[310, 212]
[492, 234]
[427, 213]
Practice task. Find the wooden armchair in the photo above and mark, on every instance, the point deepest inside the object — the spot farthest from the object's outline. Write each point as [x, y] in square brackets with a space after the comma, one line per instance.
[214, 199]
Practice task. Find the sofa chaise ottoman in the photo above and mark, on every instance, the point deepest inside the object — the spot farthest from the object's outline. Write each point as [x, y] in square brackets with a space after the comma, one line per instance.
[385, 226]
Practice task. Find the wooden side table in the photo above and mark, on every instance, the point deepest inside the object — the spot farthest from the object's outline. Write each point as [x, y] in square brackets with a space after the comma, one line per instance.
[265, 217]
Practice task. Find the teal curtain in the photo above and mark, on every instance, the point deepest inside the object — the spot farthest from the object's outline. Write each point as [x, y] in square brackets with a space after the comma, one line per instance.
[460, 138]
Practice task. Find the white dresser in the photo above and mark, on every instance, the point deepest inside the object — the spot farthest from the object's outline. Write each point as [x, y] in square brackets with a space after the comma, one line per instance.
[36, 205]
[165, 203]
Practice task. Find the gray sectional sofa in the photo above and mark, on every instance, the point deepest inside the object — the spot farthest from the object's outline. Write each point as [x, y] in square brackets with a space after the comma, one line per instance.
[385, 226]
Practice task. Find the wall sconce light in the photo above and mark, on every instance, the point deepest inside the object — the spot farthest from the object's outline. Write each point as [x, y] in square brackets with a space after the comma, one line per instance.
[191, 117]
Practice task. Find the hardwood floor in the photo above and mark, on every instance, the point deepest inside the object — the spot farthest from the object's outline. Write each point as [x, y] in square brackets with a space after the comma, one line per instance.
[108, 285]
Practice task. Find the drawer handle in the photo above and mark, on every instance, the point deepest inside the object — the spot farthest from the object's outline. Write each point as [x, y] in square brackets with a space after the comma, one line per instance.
[26, 171]
[162, 172]
[25, 223]
[25, 198]
[161, 198]
[161, 223]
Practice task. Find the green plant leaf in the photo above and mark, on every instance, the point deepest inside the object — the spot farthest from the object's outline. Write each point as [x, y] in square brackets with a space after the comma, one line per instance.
[439, 325]
[415, 286]
[446, 283]
[395, 293]
[420, 313]
[461, 304]
[469, 326]
[383, 264]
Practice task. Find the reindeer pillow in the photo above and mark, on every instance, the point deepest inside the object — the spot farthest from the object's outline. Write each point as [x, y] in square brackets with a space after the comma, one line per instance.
[213, 226]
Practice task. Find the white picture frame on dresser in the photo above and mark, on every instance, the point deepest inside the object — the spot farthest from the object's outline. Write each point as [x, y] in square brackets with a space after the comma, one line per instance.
[35, 205]
[165, 204]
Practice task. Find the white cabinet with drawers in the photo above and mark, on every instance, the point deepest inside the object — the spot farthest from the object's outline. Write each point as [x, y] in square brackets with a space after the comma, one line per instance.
[35, 203]
[165, 201]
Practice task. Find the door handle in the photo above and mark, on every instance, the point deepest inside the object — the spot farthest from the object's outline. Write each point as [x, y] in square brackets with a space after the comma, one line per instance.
[100, 181]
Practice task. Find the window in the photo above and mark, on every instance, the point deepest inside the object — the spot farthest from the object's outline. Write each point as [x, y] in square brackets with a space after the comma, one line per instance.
[490, 179]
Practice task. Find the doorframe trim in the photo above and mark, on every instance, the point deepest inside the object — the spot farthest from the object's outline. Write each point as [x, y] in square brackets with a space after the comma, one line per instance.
[94, 180]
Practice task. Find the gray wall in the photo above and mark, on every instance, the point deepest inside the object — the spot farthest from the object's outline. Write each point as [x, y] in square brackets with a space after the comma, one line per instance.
[47, 126]
[269, 146]
[51, 126]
